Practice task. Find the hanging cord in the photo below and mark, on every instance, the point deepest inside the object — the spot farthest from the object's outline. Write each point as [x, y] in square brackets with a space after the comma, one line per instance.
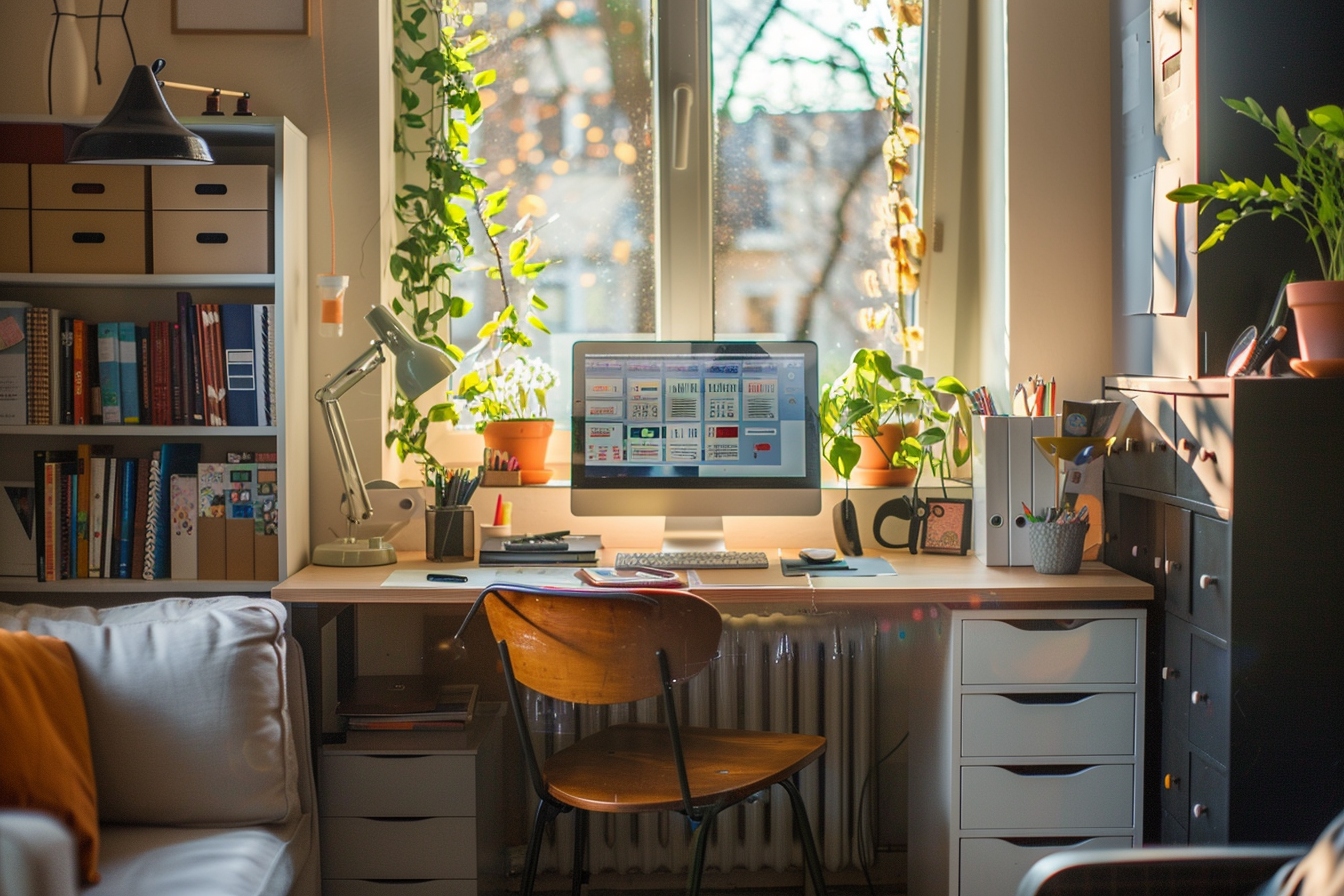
[865, 860]
[326, 107]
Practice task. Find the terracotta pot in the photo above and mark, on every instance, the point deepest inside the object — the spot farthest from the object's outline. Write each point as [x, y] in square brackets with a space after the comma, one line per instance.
[873, 467]
[525, 440]
[1318, 306]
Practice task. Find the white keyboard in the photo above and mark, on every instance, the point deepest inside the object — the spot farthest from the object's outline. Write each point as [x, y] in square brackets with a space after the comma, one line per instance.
[695, 560]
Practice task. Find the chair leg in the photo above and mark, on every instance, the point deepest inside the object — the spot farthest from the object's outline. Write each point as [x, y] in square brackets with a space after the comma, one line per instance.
[580, 851]
[546, 813]
[703, 829]
[800, 820]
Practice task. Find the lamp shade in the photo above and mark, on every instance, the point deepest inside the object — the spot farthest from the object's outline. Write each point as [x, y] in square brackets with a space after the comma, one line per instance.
[419, 367]
[140, 130]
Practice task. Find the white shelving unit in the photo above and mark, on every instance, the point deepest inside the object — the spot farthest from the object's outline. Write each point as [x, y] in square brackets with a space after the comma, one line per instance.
[275, 142]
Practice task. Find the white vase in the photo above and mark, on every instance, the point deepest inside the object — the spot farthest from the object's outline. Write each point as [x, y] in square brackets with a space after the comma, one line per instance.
[68, 64]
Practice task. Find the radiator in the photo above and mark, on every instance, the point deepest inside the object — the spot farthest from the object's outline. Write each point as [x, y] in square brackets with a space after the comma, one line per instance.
[810, 674]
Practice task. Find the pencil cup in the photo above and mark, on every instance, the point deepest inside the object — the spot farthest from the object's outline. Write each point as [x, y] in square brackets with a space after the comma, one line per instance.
[1057, 548]
[450, 533]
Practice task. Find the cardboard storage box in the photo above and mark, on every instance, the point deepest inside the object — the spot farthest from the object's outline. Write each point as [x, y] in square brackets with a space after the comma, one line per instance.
[88, 242]
[89, 186]
[13, 218]
[210, 187]
[214, 242]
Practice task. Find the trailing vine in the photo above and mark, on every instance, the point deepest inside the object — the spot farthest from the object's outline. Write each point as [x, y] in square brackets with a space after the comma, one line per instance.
[439, 107]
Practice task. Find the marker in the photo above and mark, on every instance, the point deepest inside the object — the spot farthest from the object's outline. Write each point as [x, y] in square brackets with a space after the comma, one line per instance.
[444, 577]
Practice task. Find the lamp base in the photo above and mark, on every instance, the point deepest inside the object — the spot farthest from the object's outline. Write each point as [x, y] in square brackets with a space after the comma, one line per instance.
[355, 552]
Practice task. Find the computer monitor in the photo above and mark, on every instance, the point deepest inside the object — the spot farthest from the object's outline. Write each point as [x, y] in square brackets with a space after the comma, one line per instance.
[695, 431]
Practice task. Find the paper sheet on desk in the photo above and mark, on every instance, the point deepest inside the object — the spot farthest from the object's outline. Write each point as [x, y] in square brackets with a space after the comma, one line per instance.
[478, 578]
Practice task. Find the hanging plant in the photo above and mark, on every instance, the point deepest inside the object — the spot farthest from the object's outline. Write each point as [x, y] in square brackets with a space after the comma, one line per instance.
[439, 107]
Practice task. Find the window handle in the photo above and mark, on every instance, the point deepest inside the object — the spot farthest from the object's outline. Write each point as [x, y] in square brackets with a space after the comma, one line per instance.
[682, 99]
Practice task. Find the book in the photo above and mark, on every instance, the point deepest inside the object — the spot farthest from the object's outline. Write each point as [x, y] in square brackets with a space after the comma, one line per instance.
[140, 519]
[240, 364]
[263, 340]
[212, 368]
[580, 550]
[182, 498]
[54, 366]
[18, 553]
[144, 564]
[95, 388]
[193, 391]
[85, 455]
[65, 385]
[13, 363]
[69, 530]
[176, 362]
[161, 373]
[42, 507]
[109, 371]
[122, 537]
[97, 513]
[79, 373]
[211, 503]
[128, 369]
[175, 459]
[409, 698]
[39, 366]
[111, 493]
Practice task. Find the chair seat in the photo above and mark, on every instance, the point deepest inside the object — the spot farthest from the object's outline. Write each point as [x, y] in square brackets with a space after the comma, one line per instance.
[630, 768]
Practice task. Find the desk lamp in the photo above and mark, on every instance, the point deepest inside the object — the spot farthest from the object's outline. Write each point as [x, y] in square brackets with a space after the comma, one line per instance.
[418, 368]
[140, 129]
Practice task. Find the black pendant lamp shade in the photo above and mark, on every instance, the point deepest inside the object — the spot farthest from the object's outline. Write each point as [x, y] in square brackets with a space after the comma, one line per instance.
[140, 129]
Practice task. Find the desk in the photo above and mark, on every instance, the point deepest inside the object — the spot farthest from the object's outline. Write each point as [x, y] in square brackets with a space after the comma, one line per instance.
[1004, 597]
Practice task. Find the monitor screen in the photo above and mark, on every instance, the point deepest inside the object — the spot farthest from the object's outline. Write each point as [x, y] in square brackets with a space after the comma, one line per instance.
[695, 429]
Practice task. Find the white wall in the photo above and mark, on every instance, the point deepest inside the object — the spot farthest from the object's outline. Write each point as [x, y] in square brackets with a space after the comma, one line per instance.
[283, 74]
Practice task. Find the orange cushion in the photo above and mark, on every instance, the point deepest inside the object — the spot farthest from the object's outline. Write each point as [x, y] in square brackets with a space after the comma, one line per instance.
[45, 761]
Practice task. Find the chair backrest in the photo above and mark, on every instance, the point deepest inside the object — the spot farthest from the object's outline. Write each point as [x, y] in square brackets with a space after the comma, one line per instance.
[587, 647]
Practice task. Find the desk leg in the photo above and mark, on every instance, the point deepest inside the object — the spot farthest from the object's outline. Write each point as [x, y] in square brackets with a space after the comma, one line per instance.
[306, 623]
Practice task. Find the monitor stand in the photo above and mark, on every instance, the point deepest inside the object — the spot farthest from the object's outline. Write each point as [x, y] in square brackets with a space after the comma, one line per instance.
[692, 533]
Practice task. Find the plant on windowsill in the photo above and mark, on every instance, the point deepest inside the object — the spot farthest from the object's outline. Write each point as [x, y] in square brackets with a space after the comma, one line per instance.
[439, 107]
[880, 422]
[1312, 196]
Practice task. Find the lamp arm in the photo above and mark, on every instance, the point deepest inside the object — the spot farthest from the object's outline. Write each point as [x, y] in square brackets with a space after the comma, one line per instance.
[356, 497]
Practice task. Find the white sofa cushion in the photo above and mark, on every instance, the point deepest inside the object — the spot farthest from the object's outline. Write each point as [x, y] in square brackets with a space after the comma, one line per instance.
[187, 709]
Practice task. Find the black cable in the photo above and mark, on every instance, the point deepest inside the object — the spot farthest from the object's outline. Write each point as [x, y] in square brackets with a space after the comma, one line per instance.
[863, 793]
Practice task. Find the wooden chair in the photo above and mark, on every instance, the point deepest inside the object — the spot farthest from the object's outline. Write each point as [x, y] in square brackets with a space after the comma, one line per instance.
[600, 648]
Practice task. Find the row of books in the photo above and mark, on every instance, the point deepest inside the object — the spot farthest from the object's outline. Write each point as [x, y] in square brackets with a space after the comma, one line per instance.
[407, 703]
[166, 516]
[213, 366]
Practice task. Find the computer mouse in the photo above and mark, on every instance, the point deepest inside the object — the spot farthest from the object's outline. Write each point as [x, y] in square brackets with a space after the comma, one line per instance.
[817, 555]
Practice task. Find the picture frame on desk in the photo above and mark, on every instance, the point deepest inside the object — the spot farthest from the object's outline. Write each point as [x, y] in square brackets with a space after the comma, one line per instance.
[240, 17]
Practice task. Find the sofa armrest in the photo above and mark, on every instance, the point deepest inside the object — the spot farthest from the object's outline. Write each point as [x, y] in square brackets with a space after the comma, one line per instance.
[37, 854]
[1180, 871]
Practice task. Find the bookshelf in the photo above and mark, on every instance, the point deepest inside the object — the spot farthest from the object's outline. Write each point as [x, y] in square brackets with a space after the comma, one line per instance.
[273, 142]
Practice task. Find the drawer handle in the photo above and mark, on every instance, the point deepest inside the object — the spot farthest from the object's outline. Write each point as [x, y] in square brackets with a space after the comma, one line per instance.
[1199, 810]
[1206, 454]
[212, 238]
[1134, 551]
[1170, 781]
[1207, 581]
[1198, 697]
[1047, 699]
[1039, 771]
[1173, 566]
[88, 188]
[211, 189]
[1129, 444]
[1170, 672]
[1185, 445]
[88, 236]
[1159, 445]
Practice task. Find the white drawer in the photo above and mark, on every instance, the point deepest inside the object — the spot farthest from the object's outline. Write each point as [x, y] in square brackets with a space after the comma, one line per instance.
[1047, 651]
[398, 888]
[399, 848]
[993, 867]
[397, 786]
[1087, 725]
[1097, 796]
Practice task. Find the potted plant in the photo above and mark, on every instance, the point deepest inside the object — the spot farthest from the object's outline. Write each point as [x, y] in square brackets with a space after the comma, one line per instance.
[880, 422]
[439, 107]
[1312, 196]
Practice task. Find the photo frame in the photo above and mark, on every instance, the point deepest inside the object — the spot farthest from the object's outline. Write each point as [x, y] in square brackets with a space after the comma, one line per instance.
[240, 17]
[947, 526]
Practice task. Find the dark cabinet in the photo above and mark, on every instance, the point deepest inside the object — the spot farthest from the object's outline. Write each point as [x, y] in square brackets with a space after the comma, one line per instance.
[1244, 740]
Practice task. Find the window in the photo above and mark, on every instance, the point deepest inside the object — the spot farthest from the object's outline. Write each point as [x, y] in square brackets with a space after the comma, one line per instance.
[677, 209]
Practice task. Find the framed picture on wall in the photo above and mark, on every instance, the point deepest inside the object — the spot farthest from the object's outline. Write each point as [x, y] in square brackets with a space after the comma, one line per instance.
[240, 16]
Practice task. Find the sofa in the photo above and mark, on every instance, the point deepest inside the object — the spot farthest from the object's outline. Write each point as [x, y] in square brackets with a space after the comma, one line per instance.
[197, 725]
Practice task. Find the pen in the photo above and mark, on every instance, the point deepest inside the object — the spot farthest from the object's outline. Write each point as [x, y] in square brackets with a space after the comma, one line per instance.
[444, 577]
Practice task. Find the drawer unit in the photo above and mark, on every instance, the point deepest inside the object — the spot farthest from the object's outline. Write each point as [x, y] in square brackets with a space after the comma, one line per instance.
[1142, 454]
[106, 187]
[13, 217]
[1046, 796]
[213, 187]
[1049, 651]
[992, 866]
[88, 242]
[1252, 615]
[413, 812]
[1029, 721]
[1047, 724]
[194, 242]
